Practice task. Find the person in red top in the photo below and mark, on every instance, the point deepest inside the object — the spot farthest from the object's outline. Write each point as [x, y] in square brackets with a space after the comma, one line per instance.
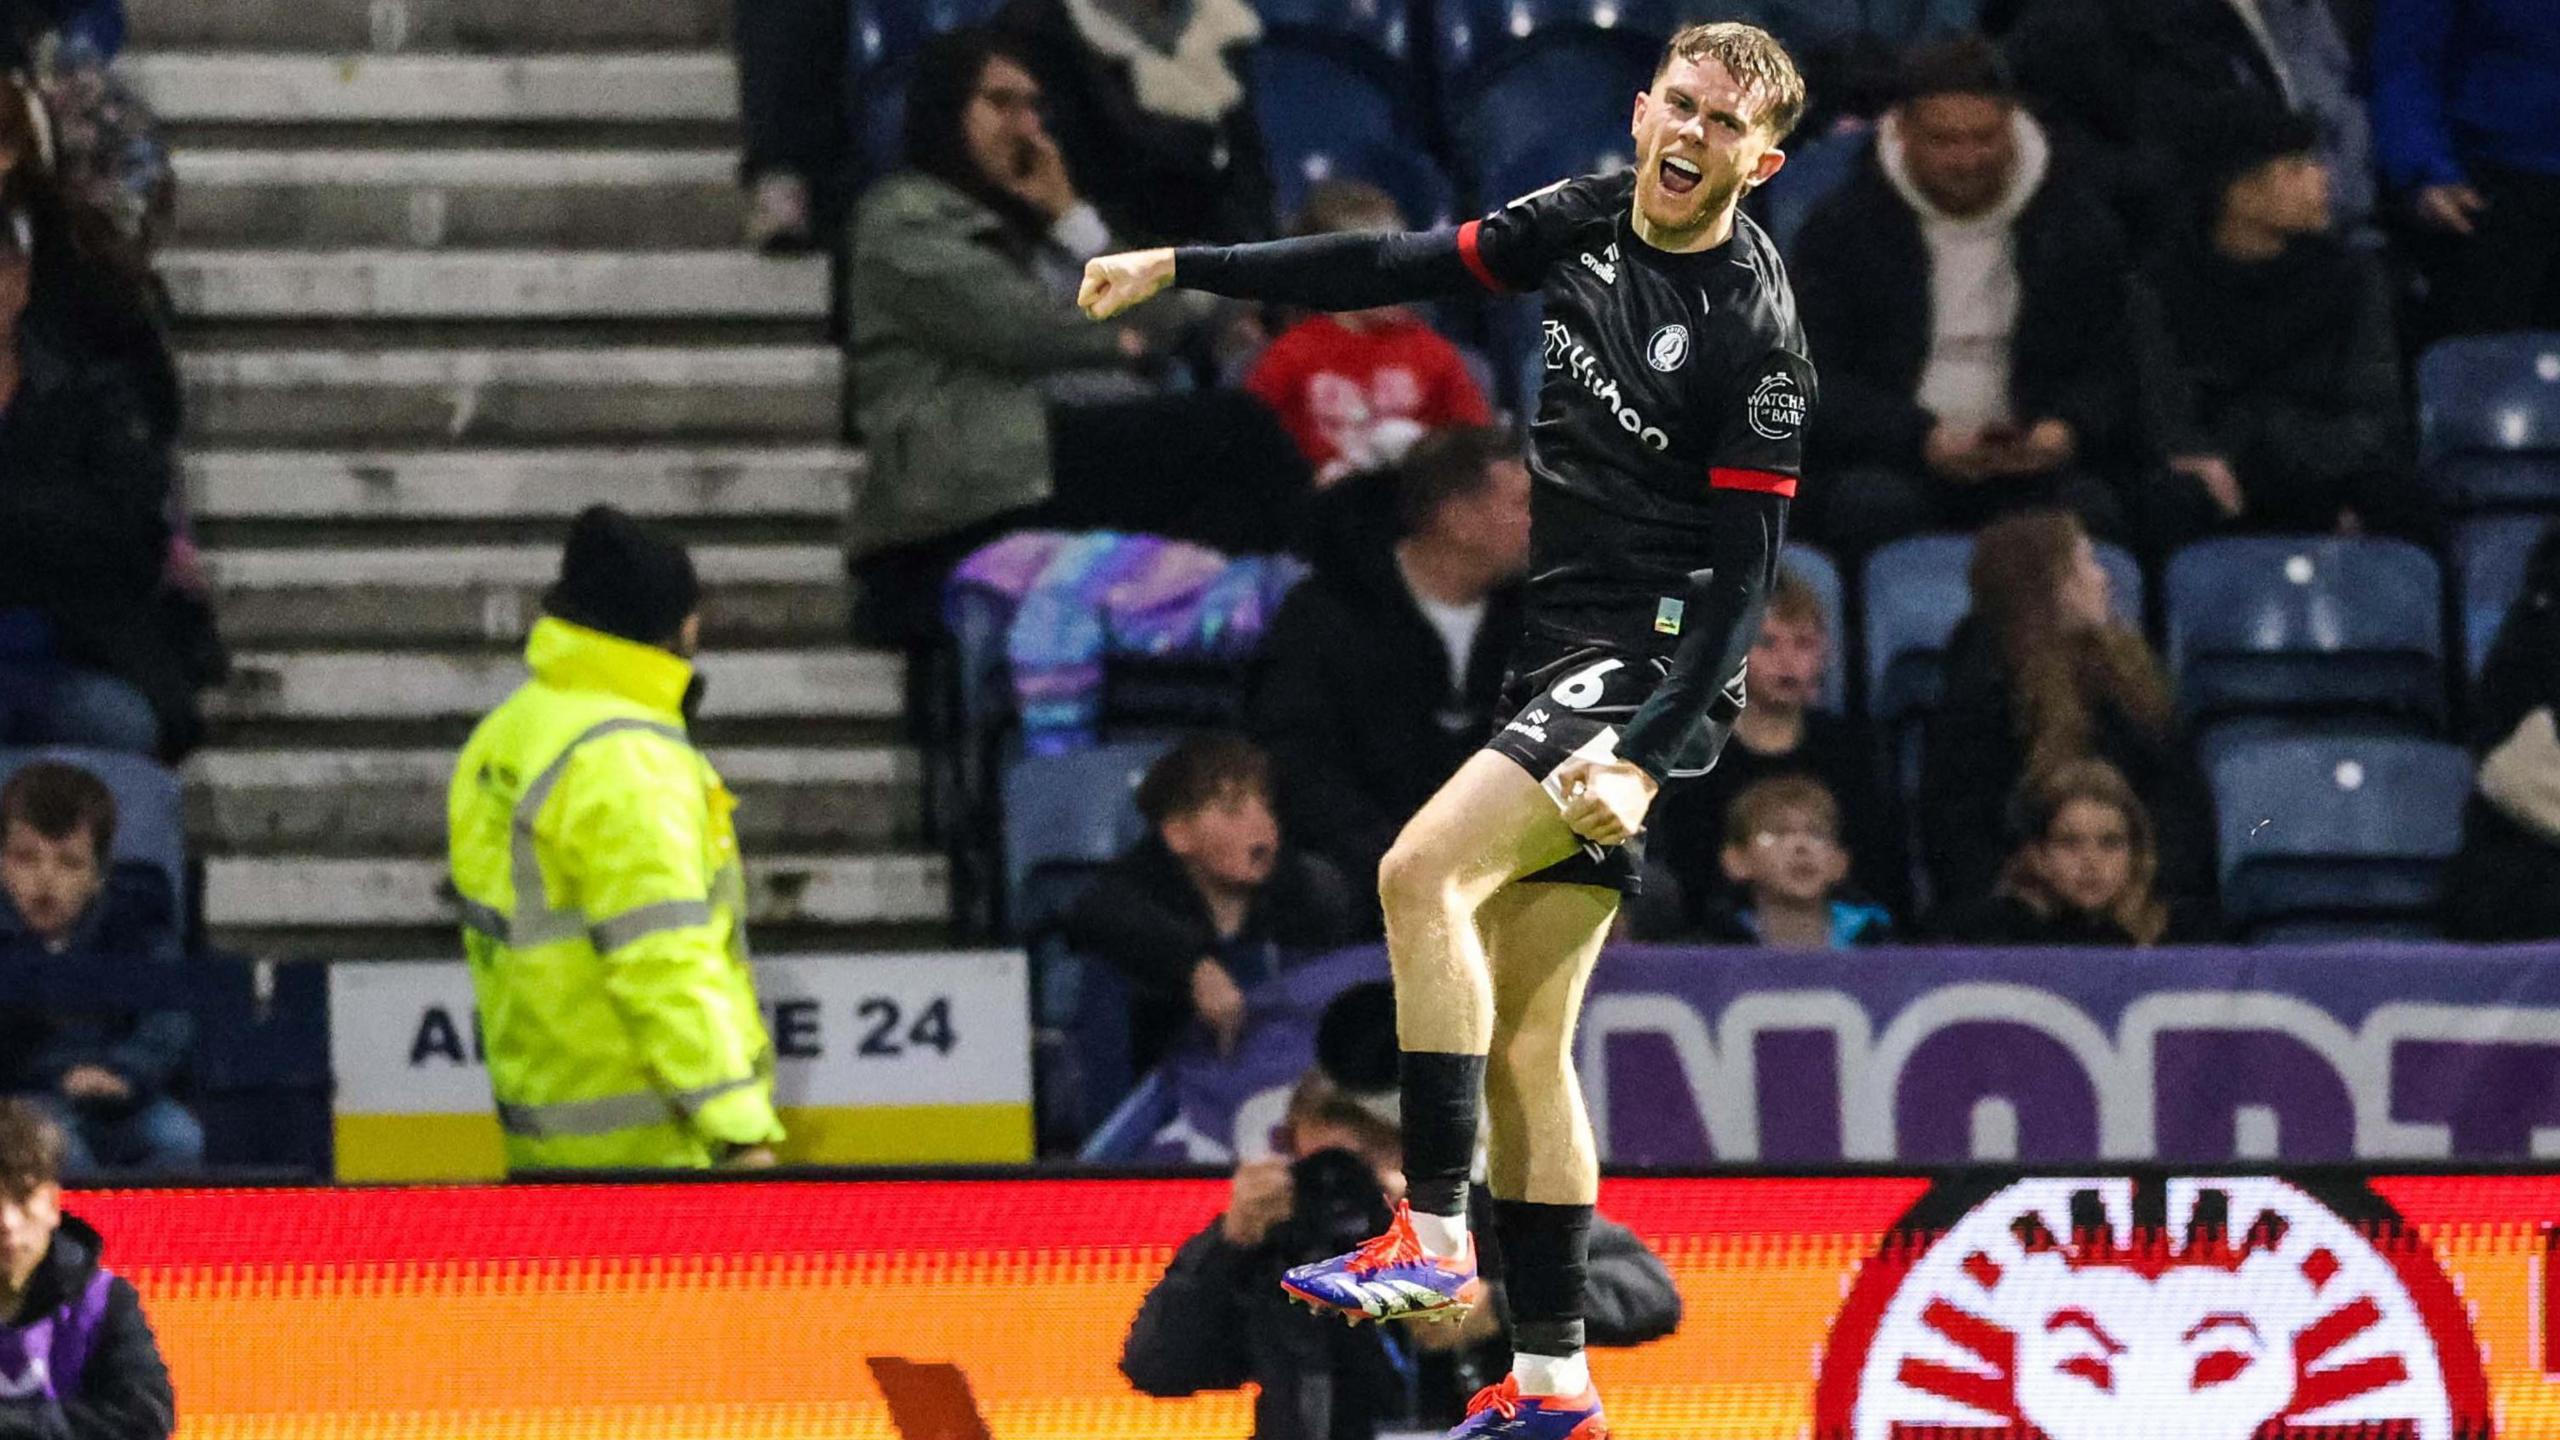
[1355, 389]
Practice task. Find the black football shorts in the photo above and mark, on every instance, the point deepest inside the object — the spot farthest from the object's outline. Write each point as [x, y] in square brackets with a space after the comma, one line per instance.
[1572, 706]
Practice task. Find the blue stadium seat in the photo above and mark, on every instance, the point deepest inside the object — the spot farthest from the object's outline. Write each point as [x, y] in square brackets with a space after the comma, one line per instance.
[261, 1064]
[1554, 113]
[1474, 34]
[1324, 117]
[2489, 420]
[1818, 572]
[1381, 27]
[1816, 167]
[2341, 829]
[2318, 627]
[1067, 816]
[2489, 552]
[151, 826]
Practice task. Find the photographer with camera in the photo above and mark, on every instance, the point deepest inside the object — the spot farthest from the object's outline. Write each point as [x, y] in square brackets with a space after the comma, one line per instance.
[1218, 1319]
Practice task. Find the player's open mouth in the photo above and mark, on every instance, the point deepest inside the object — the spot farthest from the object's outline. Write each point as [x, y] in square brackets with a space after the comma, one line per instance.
[1679, 176]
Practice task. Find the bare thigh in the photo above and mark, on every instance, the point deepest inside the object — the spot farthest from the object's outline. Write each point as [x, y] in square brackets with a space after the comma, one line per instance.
[1544, 941]
[1489, 825]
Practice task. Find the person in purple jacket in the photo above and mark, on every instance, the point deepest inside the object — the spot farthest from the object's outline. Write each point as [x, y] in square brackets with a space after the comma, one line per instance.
[2466, 127]
[77, 1358]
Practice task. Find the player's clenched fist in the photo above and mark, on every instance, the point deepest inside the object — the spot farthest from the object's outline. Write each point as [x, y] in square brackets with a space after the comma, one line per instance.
[1113, 283]
[1604, 800]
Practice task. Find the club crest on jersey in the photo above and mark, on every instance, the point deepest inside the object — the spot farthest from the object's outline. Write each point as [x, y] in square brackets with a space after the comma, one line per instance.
[2225, 1307]
[1668, 347]
[1777, 406]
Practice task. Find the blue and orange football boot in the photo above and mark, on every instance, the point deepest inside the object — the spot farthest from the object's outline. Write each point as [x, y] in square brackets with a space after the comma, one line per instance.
[1390, 1278]
[1501, 1412]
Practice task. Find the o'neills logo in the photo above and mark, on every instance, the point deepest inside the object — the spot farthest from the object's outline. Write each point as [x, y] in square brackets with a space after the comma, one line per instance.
[2223, 1308]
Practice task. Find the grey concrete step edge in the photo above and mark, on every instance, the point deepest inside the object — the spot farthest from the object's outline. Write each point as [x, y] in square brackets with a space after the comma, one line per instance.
[397, 284]
[365, 169]
[603, 367]
[813, 482]
[396, 25]
[320, 769]
[321, 893]
[284, 88]
[433, 567]
[789, 684]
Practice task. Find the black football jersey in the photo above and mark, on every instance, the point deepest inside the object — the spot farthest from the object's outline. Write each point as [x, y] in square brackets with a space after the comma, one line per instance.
[1666, 376]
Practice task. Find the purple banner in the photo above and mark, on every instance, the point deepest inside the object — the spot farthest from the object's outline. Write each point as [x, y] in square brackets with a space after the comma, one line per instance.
[1927, 1056]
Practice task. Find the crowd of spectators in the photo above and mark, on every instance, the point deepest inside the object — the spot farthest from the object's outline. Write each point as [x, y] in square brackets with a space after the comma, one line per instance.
[2138, 272]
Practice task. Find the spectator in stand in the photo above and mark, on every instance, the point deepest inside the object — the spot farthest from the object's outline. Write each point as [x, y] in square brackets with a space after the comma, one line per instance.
[1966, 293]
[2466, 111]
[791, 100]
[2085, 873]
[1147, 99]
[1219, 1320]
[2122, 80]
[90, 651]
[2505, 883]
[989, 403]
[1783, 857]
[79, 1358]
[1356, 389]
[1782, 732]
[104, 1076]
[1380, 672]
[2039, 675]
[2269, 364]
[1210, 903]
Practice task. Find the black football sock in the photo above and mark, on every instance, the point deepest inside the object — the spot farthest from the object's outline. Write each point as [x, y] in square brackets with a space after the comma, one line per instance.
[1443, 1095]
[1546, 1260]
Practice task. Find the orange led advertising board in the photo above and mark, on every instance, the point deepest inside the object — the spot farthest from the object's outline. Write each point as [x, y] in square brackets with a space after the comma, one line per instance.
[1962, 1307]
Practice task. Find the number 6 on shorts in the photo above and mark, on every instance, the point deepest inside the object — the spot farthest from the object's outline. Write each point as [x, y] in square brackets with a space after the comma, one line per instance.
[1581, 689]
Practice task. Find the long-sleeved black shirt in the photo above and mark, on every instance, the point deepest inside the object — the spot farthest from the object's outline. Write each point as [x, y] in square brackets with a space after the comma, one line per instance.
[1669, 428]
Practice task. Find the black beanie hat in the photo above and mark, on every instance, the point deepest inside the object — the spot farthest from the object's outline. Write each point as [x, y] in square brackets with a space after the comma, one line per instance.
[624, 578]
[2231, 137]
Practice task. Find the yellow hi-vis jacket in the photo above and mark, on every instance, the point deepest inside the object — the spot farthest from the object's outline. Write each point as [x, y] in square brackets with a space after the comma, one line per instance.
[604, 915]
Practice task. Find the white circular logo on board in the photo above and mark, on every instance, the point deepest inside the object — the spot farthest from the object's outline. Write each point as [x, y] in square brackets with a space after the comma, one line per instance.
[2109, 1308]
[1777, 407]
[1668, 347]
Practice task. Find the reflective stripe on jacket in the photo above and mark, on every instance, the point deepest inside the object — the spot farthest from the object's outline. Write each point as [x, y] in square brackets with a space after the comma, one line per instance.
[604, 916]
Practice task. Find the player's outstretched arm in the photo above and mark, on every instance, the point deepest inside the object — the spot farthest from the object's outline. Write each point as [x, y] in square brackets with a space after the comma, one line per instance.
[1318, 272]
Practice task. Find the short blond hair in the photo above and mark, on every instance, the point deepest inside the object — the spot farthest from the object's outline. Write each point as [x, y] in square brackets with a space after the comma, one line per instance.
[1756, 61]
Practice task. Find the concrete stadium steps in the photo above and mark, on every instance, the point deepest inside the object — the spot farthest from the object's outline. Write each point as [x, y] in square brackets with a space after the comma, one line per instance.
[394, 25]
[410, 396]
[289, 907]
[391, 802]
[420, 595]
[791, 685]
[397, 285]
[264, 491]
[283, 89]
[585, 199]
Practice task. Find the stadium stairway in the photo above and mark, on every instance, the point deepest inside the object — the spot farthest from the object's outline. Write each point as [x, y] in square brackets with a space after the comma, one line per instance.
[448, 271]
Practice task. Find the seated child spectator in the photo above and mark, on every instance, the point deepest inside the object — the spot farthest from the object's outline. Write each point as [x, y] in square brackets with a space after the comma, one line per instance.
[1782, 732]
[105, 1077]
[1782, 854]
[77, 1358]
[1210, 904]
[2085, 874]
[1355, 389]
